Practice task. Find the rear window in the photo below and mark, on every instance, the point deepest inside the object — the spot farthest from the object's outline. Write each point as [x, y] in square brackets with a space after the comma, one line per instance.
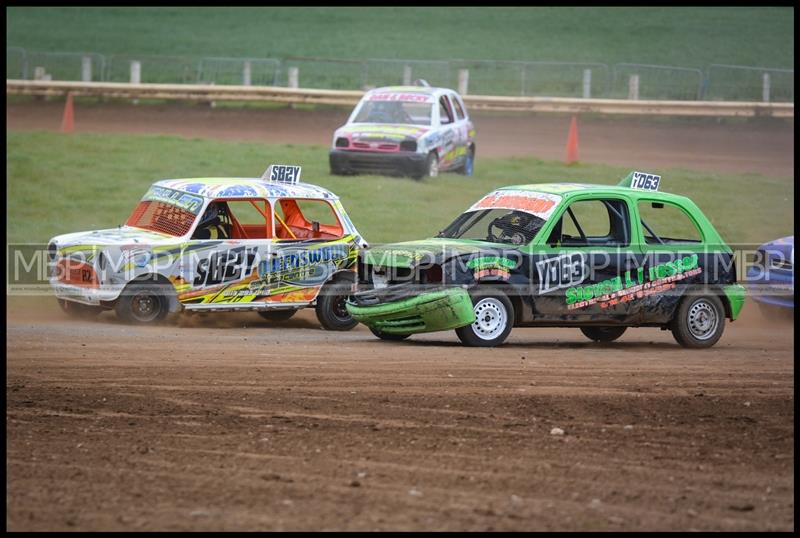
[161, 217]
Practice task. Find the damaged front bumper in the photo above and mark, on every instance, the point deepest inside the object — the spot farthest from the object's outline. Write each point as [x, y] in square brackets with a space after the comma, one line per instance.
[404, 310]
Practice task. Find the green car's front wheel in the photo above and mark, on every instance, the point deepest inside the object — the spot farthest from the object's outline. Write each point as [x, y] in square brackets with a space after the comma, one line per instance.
[494, 319]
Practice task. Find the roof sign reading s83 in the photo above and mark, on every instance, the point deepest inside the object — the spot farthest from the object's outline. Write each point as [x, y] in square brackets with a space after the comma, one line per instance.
[282, 173]
[641, 180]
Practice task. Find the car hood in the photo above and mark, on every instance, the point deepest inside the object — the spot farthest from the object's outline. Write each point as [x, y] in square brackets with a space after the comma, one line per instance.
[382, 132]
[434, 250]
[124, 235]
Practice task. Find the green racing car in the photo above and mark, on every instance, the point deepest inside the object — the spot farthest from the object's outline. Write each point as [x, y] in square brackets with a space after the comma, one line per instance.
[596, 257]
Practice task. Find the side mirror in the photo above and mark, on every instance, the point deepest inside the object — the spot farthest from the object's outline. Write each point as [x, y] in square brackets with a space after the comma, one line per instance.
[657, 205]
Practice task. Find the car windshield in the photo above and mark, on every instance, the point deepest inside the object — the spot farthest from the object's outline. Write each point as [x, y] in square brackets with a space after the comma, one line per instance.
[167, 211]
[406, 112]
[511, 227]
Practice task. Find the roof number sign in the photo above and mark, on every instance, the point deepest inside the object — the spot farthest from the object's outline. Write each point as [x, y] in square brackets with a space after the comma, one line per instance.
[282, 173]
[645, 181]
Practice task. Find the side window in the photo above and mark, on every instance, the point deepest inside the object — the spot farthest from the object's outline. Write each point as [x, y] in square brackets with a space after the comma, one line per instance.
[589, 223]
[666, 223]
[306, 219]
[252, 217]
[445, 112]
[459, 111]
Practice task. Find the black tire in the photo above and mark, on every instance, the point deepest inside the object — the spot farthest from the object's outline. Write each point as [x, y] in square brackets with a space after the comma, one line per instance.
[331, 311]
[431, 168]
[143, 303]
[495, 315]
[699, 321]
[389, 336]
[277, 315]
[603, 334]
[79, 310]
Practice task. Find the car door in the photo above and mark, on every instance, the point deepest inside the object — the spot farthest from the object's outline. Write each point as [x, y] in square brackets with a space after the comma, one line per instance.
[310, 246]
[222, 270]
[448, 133]
[462, 129]
[587, 263]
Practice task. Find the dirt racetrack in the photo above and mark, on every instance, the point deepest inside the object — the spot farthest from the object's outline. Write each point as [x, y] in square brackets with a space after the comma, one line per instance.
[231, 423]
[764, 146]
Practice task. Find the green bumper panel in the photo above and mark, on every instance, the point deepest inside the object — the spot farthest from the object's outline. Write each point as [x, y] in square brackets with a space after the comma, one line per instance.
[436, 311]
[735, 294]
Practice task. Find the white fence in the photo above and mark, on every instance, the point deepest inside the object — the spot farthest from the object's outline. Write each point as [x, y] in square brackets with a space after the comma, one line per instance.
[485, 77]
[210, 93]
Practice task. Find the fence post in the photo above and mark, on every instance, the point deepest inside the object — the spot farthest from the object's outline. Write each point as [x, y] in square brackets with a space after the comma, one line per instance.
[463, 81]
[587, 83]
[633, 87]
[406, 75]
[294, 76]
[247, 74]
[86, 69]
[765, 87]
[136, 75]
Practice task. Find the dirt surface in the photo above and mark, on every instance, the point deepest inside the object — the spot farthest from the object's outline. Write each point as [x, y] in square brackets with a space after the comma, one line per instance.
[232, 423]
[764, 147]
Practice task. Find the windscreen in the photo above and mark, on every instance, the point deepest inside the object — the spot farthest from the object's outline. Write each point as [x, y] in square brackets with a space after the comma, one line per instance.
[510, 227]
[403, 112]
[166, 211]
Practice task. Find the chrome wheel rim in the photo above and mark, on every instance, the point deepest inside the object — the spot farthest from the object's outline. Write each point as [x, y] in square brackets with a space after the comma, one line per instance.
[145, 306]
[491, 319]
[702, 320]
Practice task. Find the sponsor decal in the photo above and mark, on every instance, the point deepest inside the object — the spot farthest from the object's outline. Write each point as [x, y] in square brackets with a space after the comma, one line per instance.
[536, 203]
[491, 262]
[226, 266]
[400, 96]
[493, 272]
[302, 267]
[562, 271]
[632, 285]
[180, 199]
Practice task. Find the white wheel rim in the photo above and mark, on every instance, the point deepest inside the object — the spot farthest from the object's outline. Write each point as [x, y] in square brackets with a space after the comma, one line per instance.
[702, 320]
[434, 171]
[491, 319]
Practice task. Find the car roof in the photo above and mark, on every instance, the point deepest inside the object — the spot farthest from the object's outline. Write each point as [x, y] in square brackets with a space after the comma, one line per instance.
[568, 190]
[226, 187]
[425, 90]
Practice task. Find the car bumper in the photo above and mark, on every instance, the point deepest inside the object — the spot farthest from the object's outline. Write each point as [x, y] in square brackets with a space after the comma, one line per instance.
[443, 309]
[85, 295]
[344, 162]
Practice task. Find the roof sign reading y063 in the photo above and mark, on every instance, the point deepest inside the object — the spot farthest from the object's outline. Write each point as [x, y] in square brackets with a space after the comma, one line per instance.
[540, 204]
[282, 173]
[641, 180]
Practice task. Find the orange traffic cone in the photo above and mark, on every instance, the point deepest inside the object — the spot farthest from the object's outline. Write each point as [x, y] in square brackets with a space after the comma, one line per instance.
[68, 123]
[572, 142]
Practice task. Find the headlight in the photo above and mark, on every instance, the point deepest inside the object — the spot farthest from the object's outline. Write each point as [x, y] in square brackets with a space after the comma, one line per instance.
[342, 142]
[408, 145]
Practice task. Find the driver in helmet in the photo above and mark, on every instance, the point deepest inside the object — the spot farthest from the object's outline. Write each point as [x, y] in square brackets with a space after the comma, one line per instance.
[211, 225]
[517, 227]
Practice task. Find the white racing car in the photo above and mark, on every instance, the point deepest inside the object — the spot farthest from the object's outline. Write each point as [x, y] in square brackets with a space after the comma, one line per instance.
[273, 245]
[417, 131]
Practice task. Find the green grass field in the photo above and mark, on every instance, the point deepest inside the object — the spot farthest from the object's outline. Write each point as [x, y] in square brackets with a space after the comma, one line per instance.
[681, 36]
[68, 183]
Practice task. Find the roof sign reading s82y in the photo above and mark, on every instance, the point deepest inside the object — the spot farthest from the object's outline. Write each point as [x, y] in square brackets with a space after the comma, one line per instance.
[642, 181]
[282, 173]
